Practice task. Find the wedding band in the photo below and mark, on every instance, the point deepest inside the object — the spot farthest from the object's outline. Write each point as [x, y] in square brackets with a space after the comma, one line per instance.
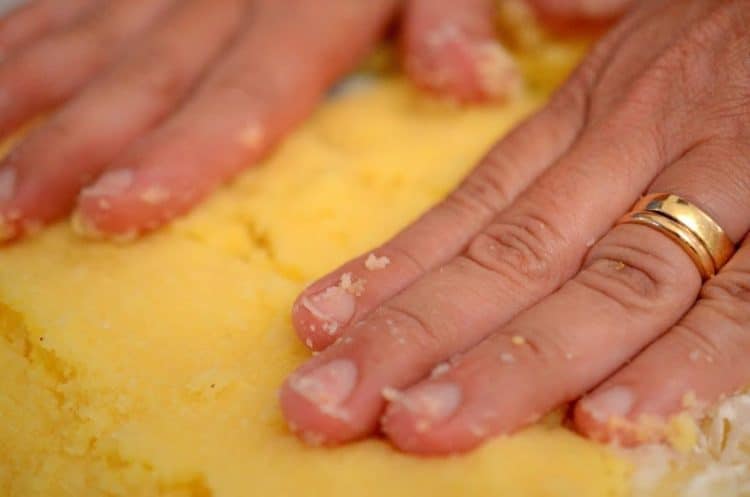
[695, 231]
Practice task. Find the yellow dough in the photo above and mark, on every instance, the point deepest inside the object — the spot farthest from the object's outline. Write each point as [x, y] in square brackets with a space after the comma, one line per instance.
[152, 369]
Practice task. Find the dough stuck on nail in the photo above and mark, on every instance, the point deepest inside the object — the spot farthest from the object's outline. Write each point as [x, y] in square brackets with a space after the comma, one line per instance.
[375, 263]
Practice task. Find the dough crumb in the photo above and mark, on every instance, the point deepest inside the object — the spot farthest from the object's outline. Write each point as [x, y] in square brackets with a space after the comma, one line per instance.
[391, 394]
[499, 75]
[518, 340]
[155, 195]
[352, 286]
[689, 400]
[507, 358]
[440, 370]
[374, 263]
[84, 227]
[331, 327]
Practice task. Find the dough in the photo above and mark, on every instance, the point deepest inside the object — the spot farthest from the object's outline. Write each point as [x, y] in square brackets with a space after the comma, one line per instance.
[152, 369]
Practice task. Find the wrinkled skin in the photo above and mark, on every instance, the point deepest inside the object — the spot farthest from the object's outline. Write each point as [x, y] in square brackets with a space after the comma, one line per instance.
[519, 293]
[158, 102]
[514, 296]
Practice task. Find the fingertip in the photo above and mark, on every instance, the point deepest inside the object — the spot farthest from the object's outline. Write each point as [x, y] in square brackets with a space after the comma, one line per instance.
[313, 401]
[426, 420]
[451, 49]
[464, 70]
[606, 418]
[323, 310]
[122, 206]
[307, 422]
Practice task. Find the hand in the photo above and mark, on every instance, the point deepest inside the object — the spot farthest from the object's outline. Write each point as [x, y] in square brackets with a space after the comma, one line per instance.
[519, 294]
[160, 101]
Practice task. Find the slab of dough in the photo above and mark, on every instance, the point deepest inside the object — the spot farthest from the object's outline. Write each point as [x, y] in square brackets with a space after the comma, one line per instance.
[152, 369]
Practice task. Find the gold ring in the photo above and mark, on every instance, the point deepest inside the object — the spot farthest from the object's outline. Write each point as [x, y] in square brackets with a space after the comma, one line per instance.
[695, 231]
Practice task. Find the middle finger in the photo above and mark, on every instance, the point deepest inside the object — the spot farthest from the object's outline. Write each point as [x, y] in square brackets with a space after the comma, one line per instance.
[526, 253]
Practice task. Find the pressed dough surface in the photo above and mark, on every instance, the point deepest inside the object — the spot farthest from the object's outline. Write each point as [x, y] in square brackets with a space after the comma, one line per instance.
[152, 369]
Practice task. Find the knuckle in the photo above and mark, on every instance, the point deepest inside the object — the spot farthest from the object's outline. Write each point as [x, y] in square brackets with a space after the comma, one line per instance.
[729, 296]
[407, 326]
[625, 271]
[487, 188]
[522, 251]
[629, 285]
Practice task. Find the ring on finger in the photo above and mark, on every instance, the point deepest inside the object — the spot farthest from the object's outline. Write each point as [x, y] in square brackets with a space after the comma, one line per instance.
[696, 232]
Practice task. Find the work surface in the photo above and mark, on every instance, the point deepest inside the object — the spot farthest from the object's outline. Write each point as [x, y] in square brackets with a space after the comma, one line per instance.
[152, 369]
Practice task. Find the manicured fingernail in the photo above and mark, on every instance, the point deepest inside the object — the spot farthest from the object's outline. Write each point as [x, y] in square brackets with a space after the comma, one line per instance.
[110, 183]
[7, 184]
[328, 386]
[433, 402]
[333, 306]
[613, 403]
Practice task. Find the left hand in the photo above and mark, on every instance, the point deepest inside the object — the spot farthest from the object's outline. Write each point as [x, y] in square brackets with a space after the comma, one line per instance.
[522, 284]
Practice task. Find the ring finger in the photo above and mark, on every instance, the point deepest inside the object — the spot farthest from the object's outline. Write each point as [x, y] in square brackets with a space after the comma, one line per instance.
[634, 285]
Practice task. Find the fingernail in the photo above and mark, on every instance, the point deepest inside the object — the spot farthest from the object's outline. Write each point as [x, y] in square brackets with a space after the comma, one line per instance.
[433, 402]
[334, 306]
[110, 183]
[7, 184]
[613, 403]
[328, 386]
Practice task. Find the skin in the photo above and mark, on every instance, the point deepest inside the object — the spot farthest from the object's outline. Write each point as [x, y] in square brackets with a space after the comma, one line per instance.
[514, 296]
[145, 122]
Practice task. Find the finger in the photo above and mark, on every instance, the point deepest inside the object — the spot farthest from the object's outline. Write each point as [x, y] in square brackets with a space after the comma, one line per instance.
[635, 284]
[704, 356]
[450, 47]
[565, 12]
[35, 19]
[57, 160]
[528, 251]
[49, 71]
[525, 253]
[323, 310]
[270, 80]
